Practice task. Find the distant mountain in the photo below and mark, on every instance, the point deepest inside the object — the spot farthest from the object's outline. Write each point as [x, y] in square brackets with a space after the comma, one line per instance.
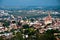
[56, 8]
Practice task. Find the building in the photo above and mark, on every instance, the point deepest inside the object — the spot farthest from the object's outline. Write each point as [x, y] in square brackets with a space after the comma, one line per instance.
[48, 19]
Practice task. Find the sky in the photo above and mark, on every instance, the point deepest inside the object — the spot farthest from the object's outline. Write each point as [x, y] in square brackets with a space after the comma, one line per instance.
[29, 2]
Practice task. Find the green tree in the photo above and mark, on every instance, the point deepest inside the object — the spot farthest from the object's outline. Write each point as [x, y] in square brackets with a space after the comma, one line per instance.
[19, 36]
[25, 26]
[6, 23]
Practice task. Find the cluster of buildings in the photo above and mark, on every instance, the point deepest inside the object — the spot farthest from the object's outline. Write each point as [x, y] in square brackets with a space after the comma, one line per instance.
[44, 24]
